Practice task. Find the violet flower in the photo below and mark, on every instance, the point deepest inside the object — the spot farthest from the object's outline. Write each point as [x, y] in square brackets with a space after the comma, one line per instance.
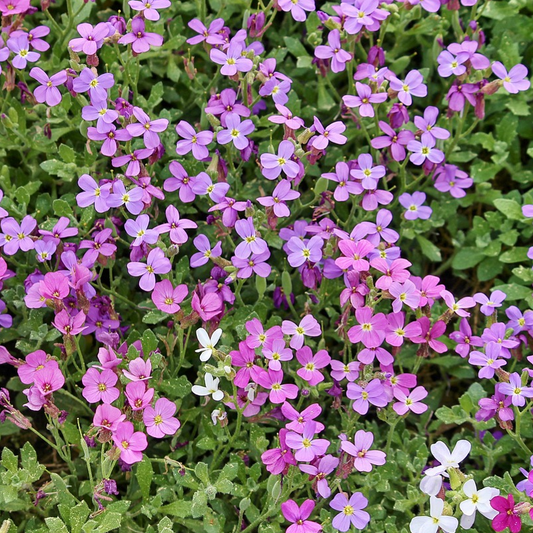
[92, 38]
[69, 325]
[210, 36]
[306, 446]
[149, 10]
[308, 326]
[252, 243]
[176, 226]
[132, 159]
[147, 128]
[282, 193]
[15, 236]
[97, 86]
[139, 395]
[110, 138]
[345, 185]
[302, 251]
[156, 263]
[352, 513]
[516, 390]
[424, 150]
[515, 80]
[272, 380]
[48, 91]
[287, 118]
[333, 50]
[332, 133]
[279, 459]
[159, 420]
[488, 361]
[372, 394]
[197, 142]
[205, 252]
[181, 182]
[297, 9]
[449, 178]
[272, 164]
[427, 125]
[364, 100]
[325, 466]
[396, 141]
[410, 402]
[203, 185]
[236, 131]
[21, 48]
[360, 450]
[232, 60]
[489, 305]
[413, 85]
[255, 264]
[131, 199]
[413, 205]
[138, 228]
[139, 39]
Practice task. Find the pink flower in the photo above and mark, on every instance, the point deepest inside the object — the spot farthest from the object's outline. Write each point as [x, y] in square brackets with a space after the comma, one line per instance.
[299, 515]
[49, 379]
[373, 393]
[339, 370]
[273, 165]
[232, 60]
[507, 516]
[139, 39]
[146, 128]
[131, 443]
[410, 402]
[514, 80]
[139, 370]
[308, 326]
[159, 420]
[325, 466]
[393, 272]
[404, 293]
[306, 446]
[236, 131]
[281, 194]
[138, 395]
[371, 328]
[458, 307]
[16, 236]
[364, 458]
[488, 361]
[197, 142]
[297, 9]
[156, 263]
[397, 331]
[275, 352]
[430, 333]
[244, 358]
[54, 286]
[298, 420]
[278, 460]
[258, 336]
[331, 133]
[108, 417]
[35, 362]
[273, 381]
[91, 38]
[311, 365]
[353, 254]
[351, 514]
[176, 226]
[100, 387]
[413, 85]
[167, 298]
[302, 251]
[208, 306]
[149, 7]
[69, 325]
[48, 91]
[333, 50]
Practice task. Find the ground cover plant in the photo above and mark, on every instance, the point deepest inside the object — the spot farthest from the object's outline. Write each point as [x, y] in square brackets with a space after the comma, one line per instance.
[266, 267]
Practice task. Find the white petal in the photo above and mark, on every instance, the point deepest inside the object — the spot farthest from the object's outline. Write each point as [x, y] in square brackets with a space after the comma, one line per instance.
[448, 523]
[202, 336]
[431, 485]
[210, 382]
[423, 524]
[199, 390]
[436, 506]
[216, 336]
[468, 507]
[206, 355]
[469, 488]
[218, 395]
[436, 471]
[488, 513]
[461, 450]
[467, 521]
[441, 452]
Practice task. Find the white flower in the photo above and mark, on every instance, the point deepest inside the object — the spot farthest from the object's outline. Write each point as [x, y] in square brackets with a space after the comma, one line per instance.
[218, 415]
[431, 523]
[478, 500]
[446, 458]
[251, 389]
[431, 485]
[211, 388]
[207, 343]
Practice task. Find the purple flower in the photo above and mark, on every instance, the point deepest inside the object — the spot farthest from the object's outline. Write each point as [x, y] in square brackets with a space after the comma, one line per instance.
[181, 182]
[302, 251]
[139, 39]
[176, 226]
[282, 193]
[159, 420]
[514, 80]
[91, 38]
[277, 89]
[230, 210]
[516, 390]
[351, 511]
[354, 254]
[427, 125]
[69, 325]
[236, 131]
[59, 231]
[413, 204]
[305, 444]
[325, 466]
[346, 185]
[196, 142]
[278, 459]
[99, 111]
[308, 327]
[311, 365]
[255, 264]
[364, 100]
[147, 128]
[211, 35]
[16, 236]
[331, 133]
[286, 118]
[488, 361]
[92, 194]
[232, 60]
[273, 380]
[21, 47]
[156, 263]
[458, 307]
[131, 199]
[464, 338]
[201, 242]
[131, 443]
[100, 387]
[371, 328]
[449, 178]
[367, 173]
[450, 64]
[138, 228]
[48, 91]
[203, 185]
[225, 104]
[404, 293]
[424, 150]
[149, 10]
[45, 250]
[96, 85]
[110, 138]
[413, 85]
[373, 394]
[518, 321]
[273, 165]
[396, 141]
[488, 305]
[167, 298]
[364, 458]
[410, 402]
[298, 9]
[334, 51]
[252, 243]
[132, 159]
[460, 92]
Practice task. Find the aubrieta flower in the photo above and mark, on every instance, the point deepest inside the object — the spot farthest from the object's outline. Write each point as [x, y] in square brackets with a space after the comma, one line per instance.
[156, 263]
[297, 9]
[424, 150]
[131, 443]
[210, 36]
[311, 365]
[448, 178]
[252, 243]
[48, 92]
[278, 460]
[413, 205]
[302, 251]
[98, 246]
[97, 86]
[14, 7]
[92, 38]
[108, 417]
[308, 326]
[197, 142]
[413, 85]
[140, 40]
[277, 89]
[396, 141]
[69, 325]
[299, 420]
[287, 118]
[59, 231]
[345, 184]
[506, 515]
[149, 8]
[516, 390]
[464, 338]
[21, 47]
[281, 194]
[272, 164]
[458, 307]
[364, 100]
[351, 511]
[450, 64]
[318, 472]
[139, 370]
[446, 458]
[210, 389]
[138, 228]
[147, 128]
[435, 520]
[333, 50]
[411, 401]
[371, 328]
[48, 380]
[272, 380]
[139, 395]
[360, 450]
[232, 60]
[205, 252]
[176, 226]
[167, 298]
[34, 362]
[92, 194]
[100, 387]
[131, 199]
[255, 264]
[515, 80]
[159, 420]
[15, 236]
[476, 500]
[306, 445]
[332, 133]
[427, 125]
[489, 305]
[110, 137]
[236, 131]
[372, 394]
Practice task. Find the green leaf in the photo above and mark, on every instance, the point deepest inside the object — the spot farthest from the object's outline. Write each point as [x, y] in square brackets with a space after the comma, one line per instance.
[62, 208]
[467, 258]
[202, 472]
[516, 255]
[78, 517]
[56, 525]
[149, 342]
[177, 387]
[429, 249]
[9, 460]
[180, 508]
[109, 522]
[154, 317]
[510, 208]
[145, 473]
[67, 153]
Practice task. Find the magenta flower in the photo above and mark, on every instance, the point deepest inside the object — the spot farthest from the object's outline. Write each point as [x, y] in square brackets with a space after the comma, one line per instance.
[311, 365]
[59, 231]
[345, 184]
[516, 390]
[92, 194]
[48, 91]
[236, 131]
[232, 60]
[108, 417]
[427, 125]
[278, 460]
[371, 328]
[98, 246]
[306, 446]
[404, 293]
[159, 420]
[149, 10]
[255, 264]
[146, 128]
[14, 7]
[515, 80]
[413, 85]
[49, 379]
[297, 9]
[258, 336]
[299, 420]
[91, 38]
[225, 104]
[464, 338]
[325, 466]
[96, 85]
[430, 334]
[397, 330]
[489, 305]
[204, 251]
[139, 370]
[244, 358]
[35, 362]
[252, 244]
[339, 370]
[69, 325]
[302, 251]
[396, 141]
[373, 394]
[459, 93]
[131, 443]
[354, 254]
[54, 286]
[110, 137]
[333, 50]
[364, 99]
[364, 458]
[139, 39]
[15, 236]
[281, 194]
[167, 298]
[275, 353]
[100, 387]
[352, 513]
[176, 226]
[156, 263]
[139, 395]
[210, 36]
[411, 401]
[332, 133]
[308, 327]
[287, 118]
[413, 205]
[273, 380]
[507, 516]
[21, 47]
[197, 142]
[207, 306]
[488, 361]
[272, 164]
[458, 307]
